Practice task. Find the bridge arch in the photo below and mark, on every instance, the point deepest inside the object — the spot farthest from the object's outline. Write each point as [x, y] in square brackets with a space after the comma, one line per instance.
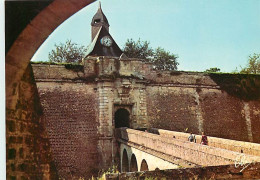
[144, 166]
[133, 164]
[142, 158]
[125, 162]
[122, 118]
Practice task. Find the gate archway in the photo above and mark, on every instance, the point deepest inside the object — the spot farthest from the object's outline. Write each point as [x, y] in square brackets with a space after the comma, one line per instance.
[122, 118]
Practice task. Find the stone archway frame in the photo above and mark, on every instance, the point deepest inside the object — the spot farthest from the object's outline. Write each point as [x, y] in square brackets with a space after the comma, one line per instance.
[128, 107]
[31, 38]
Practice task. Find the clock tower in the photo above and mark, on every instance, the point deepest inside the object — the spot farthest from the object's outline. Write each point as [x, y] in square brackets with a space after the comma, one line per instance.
[98, 20]
[102, 42]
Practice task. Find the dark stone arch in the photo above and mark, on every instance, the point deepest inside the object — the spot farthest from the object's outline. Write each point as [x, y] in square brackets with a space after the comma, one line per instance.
[19, 98]
[144, 166]
[30, 39]
[133, 164]
[125, 162]
[122, 118]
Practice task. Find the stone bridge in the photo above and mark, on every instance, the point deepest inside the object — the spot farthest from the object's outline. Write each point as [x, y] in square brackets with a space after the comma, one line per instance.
[157, 149]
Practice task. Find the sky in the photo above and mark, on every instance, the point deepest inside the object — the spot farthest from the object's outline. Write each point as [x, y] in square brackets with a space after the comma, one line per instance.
[203, 33]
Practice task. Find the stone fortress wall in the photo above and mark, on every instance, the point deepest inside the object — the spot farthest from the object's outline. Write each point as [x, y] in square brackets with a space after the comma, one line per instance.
[197, 102]
[79, 104]
[70, 115]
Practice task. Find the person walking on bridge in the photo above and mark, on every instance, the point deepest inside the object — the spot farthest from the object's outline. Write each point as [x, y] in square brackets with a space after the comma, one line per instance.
[204, 139]
[191, 138]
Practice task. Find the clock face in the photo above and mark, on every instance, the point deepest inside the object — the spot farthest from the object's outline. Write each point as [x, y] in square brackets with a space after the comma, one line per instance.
[106, 41]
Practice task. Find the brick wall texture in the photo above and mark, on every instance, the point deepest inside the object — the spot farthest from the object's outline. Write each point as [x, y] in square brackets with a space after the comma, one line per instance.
[198, 103]
[28, 154]
[70, 117]
[221, 115]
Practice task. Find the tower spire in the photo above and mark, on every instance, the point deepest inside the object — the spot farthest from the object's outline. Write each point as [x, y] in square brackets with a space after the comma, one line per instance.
[99, 5]
[98, 21]
[102, 43]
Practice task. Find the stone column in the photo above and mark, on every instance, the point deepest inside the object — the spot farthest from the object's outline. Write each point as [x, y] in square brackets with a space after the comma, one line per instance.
[106, 137]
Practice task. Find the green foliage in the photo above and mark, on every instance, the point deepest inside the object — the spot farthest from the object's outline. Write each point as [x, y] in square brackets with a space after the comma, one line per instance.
[212, 70]
[67, 53]
[75, 67]
[162, 59]
[242, 86]
[70, 66]
[253, 65]
[138, 49]
[150, 178]
[103, 173]
[44, 62]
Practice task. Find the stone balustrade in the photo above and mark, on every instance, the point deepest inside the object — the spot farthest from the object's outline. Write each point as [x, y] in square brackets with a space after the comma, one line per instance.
[232, 145]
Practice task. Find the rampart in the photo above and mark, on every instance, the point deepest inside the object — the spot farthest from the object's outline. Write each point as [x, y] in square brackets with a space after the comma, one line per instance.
[70, 115]
[221, 105]
[79, 103]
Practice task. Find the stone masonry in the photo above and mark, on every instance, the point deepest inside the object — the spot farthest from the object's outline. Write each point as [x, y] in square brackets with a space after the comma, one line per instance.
[28, 153]
[80, 102]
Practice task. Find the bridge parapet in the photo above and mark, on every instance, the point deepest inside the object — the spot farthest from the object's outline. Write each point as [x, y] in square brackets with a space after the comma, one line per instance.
[232, 145]
[181, 151]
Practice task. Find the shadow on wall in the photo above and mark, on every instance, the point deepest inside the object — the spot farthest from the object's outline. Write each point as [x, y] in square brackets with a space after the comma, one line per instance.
[242, 86]
[28, 148]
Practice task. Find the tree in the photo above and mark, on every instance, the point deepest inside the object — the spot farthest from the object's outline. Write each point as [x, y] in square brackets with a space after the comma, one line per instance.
[139, 49]
[210, 70]
[253, 65]
[162, 59]
[67, 53]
